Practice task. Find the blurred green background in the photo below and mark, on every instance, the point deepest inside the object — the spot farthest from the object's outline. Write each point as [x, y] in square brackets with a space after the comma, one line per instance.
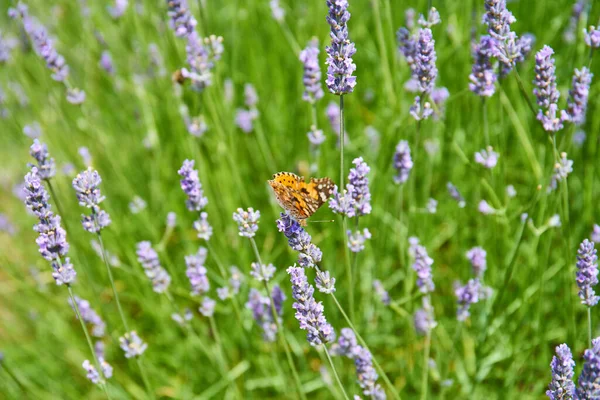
[137, 139]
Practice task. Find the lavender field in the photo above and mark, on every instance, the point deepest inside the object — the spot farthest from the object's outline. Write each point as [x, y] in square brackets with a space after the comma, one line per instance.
[299, 199]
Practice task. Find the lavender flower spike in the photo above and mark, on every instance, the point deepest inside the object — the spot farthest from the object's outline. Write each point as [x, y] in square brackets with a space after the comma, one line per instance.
[357, 179]
[191, 186]
[562, 387]
[487, 157]
[247, 221]
[300, 241]
[45, 164]
[483, 77]
[89, 316]
[203, 227]
[357, 240]
[132, 344]
[196, 272]
[422, 266]
[312, 74]
[578, 96]
[589, 380]
[425, 69]
[308, 312]
[546, 92]
[402, 162]
[87, 189]
[52, 239]
[467, 295]
[149, 259]
[587, 273]
[592, 37]
[424, 319]
[340, 66]
[262, 272]
[562, 169]
[477, 258]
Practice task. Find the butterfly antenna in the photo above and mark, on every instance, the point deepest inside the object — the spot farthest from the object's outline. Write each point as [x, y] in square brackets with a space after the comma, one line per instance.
[326, 220]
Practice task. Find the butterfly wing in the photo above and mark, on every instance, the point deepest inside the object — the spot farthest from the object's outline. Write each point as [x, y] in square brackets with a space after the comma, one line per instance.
[298, 198]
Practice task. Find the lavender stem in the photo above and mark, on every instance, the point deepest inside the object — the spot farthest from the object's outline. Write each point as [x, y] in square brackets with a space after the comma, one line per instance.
[335, 374]
[589, 319]
[426, 365]
[364, 344]
[112, 283]
[87, 335]
[282, 338]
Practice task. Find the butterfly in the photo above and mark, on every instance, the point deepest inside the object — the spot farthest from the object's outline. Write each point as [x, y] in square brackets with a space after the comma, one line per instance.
[298, 198]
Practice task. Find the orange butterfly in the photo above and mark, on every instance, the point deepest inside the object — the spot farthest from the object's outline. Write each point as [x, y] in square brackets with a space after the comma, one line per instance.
[298, 198]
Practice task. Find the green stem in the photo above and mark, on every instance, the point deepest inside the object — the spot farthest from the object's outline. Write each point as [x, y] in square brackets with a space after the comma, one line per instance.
[58, 206]
[145, 378]
[280, 333]
[342, 137]
[589, 319]
[87, 338]
[335, 374]
[486, 129]
[112, 283]
[364, 344]
[385, 65]
[348, 266]
[524, 92]
[425, 377]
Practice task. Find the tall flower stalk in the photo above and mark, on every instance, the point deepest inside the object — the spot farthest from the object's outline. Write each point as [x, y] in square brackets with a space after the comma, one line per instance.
[309, 256]
[53, 246]
[87, 189]
[247, 221]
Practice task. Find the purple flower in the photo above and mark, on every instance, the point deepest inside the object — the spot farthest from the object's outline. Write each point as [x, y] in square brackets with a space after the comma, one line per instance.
[87, 189]
[367, 376]
[595, 237]
[425, 70]
[171, 220]
[106, 62]
[309, 313]
[587, 273]
[247, 221]
[431, 206]
[592, 37]
[191, 186]
[86, 157]
[52, 239]
[33, 131]
[407, 46]
[6, 46]
[315, 136]
[466, 295]
[384, 296]
[244, 119]
[196, 272]
[343, 203]
[477, 258]
[45, 164]
[6, 225]
[422, 266]
[42, 44]
[149, 259]
[346, 344]
[546, 92]
[86, 185]
[89, 316]
[75, 96]
[420, 110]
[357, 240]
[562, 169]
[402, 162]
[203, 228]
[276, 10]
[577, 10]
[483, 77]
[578, 96]
[312, 74]
[236, 279]
[250, 96]
[262, 313]
[424, 319]
[118, 9]
[132, 344]
[91, 372]
[207, 308]
[300, 241]
[324, 282]
[589, 379]
[340, 66]
[357, 177]
[433, 18]
[262, 272]
[182, 21]
[487, 157]
[562, 387]
[485, 208]
[498, 19]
